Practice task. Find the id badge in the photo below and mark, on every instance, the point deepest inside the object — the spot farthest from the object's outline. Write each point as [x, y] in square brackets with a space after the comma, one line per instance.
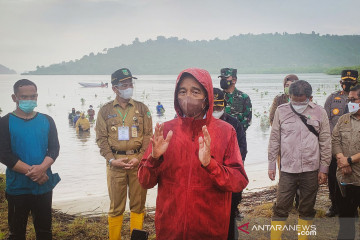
[134, 132]
[123, 133]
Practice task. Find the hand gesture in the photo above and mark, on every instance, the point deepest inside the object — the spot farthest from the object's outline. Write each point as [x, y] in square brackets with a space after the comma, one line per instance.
[43, 179]
[342, 162]
[36, 172]
[272, 174]
[204, 147]
[133, 162]
[121, 163]
[159, 144]
[346, 170]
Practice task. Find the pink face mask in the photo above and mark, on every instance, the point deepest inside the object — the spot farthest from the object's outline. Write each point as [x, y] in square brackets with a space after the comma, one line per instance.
[191, 107]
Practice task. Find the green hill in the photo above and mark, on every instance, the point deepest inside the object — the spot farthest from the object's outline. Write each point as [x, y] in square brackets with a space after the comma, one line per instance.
[5, 70]
[249, 53]
[337, 70]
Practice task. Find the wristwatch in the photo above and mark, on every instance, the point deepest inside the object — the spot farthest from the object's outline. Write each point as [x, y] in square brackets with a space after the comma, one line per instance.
[109, 162]
[349, 160]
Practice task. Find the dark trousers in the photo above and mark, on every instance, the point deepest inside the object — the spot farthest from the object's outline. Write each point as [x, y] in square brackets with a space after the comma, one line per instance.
[19, 207]
[307, 182]
[347, 207]
[332, 183]
[235, 200]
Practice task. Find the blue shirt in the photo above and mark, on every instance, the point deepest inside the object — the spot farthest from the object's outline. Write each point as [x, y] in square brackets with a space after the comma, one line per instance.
[30, 141]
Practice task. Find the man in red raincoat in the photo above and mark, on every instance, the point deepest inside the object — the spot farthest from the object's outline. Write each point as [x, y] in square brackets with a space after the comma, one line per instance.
[196, 162]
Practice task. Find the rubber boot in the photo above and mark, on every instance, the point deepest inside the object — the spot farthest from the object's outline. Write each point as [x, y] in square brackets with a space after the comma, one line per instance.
[276, 231]
[304, 229]
[136, 221]
[115, 224]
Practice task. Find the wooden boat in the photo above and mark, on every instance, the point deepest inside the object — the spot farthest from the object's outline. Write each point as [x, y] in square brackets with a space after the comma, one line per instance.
[93, 84]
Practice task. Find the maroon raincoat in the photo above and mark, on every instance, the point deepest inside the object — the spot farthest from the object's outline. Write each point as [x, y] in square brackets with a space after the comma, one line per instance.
[193, 202]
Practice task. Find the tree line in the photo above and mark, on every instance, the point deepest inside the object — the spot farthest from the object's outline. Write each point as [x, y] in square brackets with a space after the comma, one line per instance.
[249, 53]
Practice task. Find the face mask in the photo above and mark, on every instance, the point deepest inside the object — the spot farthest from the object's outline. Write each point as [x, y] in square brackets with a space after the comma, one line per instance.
[300, 107]
[27, 106]
[225, 84]
[353, 107]
[191, 107]
[286, 90]
[347, 87]
[125, 93]
[218, 114]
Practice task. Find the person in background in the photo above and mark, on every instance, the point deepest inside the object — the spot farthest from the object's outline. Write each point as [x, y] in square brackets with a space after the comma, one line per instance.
[196, 162]
[160, 109]
[219, 113]
[335, 106]
[82, 124]
[345, 147]
[278, 100]
[301, 132]
[284, 97]
[29, 145]
[77, 116]
[123, 131]
[91, 113]
[72, 115]
[238, 103]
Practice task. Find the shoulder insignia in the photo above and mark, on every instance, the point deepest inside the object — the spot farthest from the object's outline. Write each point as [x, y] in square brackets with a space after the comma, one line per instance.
[337, 98]
[335, 111]
[148, 114]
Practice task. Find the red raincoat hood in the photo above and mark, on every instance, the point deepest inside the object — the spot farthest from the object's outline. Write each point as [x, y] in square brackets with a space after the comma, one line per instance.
[204, 78]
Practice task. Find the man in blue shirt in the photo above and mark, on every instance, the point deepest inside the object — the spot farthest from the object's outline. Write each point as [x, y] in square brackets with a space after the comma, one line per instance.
[29, 145]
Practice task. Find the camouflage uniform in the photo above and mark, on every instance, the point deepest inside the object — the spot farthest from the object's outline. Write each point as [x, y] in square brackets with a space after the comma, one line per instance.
[239, 106]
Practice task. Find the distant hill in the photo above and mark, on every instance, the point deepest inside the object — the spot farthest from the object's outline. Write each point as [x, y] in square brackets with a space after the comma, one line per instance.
[338, 70]
[5, 70]
[249, 53]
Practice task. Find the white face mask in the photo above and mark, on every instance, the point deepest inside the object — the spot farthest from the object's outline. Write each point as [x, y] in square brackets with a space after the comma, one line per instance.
[218, 114]
[300, 107]
[125, 93]
[353, 107]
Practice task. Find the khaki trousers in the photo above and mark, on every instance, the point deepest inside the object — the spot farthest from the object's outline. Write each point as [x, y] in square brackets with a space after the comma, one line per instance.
[118, 181]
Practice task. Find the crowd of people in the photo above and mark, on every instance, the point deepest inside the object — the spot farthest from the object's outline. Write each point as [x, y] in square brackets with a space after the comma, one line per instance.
[196, 159]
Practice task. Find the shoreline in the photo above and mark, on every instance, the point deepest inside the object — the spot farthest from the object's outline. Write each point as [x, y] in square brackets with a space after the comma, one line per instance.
[99, 205]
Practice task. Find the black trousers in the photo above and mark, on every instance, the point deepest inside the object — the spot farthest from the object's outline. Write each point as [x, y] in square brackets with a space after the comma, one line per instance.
[332, 183]
[19, 207]
[347, 207]
[235, 200]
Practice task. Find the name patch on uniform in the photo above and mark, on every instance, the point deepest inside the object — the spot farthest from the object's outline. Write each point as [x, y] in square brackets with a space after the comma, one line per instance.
[111, 116]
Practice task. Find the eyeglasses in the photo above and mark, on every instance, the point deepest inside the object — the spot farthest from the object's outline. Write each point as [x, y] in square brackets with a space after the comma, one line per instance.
[125, 85]
[352, 100]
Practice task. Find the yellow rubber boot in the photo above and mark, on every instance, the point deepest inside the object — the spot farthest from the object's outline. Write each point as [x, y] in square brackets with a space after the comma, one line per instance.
[276, 229]
[304, 229]
[136, 221]
[115, 224]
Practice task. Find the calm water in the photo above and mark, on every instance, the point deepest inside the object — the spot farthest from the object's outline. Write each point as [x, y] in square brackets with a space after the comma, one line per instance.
[80, 165]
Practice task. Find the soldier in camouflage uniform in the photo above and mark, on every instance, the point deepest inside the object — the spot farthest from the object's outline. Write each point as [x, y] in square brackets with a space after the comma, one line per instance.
[238, 102]
[335, 107]
[123, 131]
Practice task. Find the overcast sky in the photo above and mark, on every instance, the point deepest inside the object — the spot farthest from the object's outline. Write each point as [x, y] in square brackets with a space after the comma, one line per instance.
[43, 32]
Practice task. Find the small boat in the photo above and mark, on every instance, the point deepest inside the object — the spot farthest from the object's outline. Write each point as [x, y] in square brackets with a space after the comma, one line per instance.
[93, 84]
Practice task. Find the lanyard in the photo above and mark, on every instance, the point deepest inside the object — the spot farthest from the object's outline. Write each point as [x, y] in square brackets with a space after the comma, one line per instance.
[123, 121]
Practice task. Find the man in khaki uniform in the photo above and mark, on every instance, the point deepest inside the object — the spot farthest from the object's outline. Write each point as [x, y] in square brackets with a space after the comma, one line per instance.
[123, 131]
